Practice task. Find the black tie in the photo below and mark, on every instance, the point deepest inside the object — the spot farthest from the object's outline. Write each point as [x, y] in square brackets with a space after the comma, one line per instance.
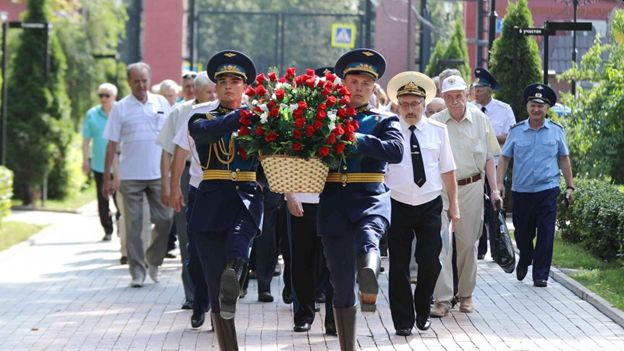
[417, 162]
[483, 109]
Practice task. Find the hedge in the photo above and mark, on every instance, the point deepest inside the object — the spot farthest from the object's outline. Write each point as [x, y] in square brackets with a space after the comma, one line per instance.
[595, 219]
[6, 191]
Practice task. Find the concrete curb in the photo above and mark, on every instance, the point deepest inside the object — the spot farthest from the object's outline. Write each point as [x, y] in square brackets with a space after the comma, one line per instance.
[42, 209]
[585, 294]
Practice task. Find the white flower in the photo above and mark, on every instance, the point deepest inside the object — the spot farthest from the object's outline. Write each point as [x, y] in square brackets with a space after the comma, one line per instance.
[332, 126]
[284, 86]
[264, 117]
[331, 114]
[254, 102]
[264, 107]
[293, 107]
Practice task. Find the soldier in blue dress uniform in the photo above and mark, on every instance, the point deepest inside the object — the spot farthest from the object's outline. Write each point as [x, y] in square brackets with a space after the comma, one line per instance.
[228, 205]
[354, 207]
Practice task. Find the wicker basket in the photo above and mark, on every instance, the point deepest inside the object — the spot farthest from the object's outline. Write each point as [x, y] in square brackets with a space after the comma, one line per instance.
[288, 174]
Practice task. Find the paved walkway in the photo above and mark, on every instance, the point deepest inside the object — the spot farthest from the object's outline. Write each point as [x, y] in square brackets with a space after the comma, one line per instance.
[64, 290]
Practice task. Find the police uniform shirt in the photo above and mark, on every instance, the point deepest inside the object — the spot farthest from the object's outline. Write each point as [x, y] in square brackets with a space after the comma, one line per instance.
[135, 125]
[175, 120]
[535, 154]
[185, 141]
[500, 114]
[472, 140]
[437, 159]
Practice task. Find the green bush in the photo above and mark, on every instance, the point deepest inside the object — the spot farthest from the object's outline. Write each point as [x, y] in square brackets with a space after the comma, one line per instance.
[595, 219]
[6, 191]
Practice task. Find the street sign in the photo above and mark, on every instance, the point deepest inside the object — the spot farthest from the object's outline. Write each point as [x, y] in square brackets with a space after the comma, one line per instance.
[576, 26]
[343, 35]
[531, 31]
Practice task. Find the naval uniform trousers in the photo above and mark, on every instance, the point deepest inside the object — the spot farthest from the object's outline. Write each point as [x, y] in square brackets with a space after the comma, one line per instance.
[200, 289]
[215, 248]
[307, 256]
[423, 222]
[535, 214]
[342, 251]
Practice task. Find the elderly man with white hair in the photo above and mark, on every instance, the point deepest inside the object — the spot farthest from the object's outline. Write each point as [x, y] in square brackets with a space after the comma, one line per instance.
[474, 146]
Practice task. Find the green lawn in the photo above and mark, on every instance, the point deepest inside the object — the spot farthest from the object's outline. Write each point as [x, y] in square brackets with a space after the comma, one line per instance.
[13, 232]
[71, 203]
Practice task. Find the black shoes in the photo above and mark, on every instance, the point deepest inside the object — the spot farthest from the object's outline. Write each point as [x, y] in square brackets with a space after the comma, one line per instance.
[187, 305]
[480, 256]
[404, 332]
[369, 265]
[123, 260]
[521, 272]
[197, 319]
[107, 237]
[540, 283]
[265, 296]
[320, 297]
[330, 327]
[287, 296]
[423, 323]
[231, 279]
[303, 327]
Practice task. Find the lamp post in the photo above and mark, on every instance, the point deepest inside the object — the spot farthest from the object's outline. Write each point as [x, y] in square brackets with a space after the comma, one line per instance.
[573, 82]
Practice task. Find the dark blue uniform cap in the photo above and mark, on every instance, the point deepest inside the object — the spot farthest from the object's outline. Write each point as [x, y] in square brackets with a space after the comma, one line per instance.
[322, 70]
[231, 62]
[540, 93]
[485, 79]
[361, 61]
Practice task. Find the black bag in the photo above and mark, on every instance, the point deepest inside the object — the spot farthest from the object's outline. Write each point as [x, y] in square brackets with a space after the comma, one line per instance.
[502, 249]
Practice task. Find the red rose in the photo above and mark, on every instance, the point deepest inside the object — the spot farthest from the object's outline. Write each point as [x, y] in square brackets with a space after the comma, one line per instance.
[272, 77]
[342, 113]
[344, 91]
[323, 151]
[331, 139]
[328, 85]
[349, 137]
[297, 146]
[326, 92]
[322, 106]
[260, 90]
[302, 105]
[339, 148]
[274, 112]
[330, 77]
[242, 153]
[355, 124]
[291, 71]
[309, 131]
[300, 79]
[297, 134]
[258, 109]
[299, 122]
[282, 80]
[310, 72]
[272, 136]
[245, 120]
[321, 114]
[279, 94]
[243, 131]
[350, 128]
[260, 78]
[298, 113]
[271, 104]
[339, 130]
[250, 92]
[311, 82]
[331, 101]
[345, 100]
[351, 111]
[317, 125]
[259, 131]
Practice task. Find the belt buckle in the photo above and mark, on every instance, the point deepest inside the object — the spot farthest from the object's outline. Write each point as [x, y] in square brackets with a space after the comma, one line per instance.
[343, 179]
[234, 176]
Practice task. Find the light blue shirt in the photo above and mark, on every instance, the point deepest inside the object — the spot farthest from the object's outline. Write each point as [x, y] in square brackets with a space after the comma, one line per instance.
[93, 128]
[535, 155]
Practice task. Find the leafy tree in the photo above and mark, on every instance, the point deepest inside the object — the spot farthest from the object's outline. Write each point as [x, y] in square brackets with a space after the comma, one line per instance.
[38, 112]
[515, 60]
[458, 50]
[434, 68]
[594, 129]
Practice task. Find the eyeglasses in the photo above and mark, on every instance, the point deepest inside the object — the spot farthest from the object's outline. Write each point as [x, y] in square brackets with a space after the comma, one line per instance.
[189, 75]
[104, 96]
[412, 105]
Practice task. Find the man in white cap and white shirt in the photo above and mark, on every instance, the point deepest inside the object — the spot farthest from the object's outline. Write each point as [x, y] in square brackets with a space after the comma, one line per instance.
[417, 202]
[474, 146]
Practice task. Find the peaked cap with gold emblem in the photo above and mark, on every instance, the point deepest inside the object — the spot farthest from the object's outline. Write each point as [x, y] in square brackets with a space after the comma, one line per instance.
[411, 83]
[540, 93]
[483, 78]
[231, 62]
[361, 61]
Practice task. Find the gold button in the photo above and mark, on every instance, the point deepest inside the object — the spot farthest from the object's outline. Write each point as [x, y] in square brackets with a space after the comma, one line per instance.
[344, 167]
[238, 170]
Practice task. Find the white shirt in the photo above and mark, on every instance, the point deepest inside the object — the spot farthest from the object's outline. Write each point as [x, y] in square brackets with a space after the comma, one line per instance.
[174, 122]
[306, 198]
[185, 141]
[500, 114]
[135, 126]
[437, 159]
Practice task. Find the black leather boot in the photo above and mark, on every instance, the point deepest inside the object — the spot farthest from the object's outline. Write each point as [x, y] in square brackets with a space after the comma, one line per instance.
[345, 325]
[225, 330]
[231, 279]
[368, 270]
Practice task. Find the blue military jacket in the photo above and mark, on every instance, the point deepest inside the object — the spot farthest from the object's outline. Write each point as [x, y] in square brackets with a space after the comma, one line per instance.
[379, 142]
[218, 202]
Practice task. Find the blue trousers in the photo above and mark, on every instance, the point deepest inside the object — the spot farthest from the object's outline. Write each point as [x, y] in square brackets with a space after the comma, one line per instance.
[534, 214]
[342, 251]
[200, 290]
[216, 248]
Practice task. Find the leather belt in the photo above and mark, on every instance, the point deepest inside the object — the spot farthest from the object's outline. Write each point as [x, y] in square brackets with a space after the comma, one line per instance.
[346, 178]
[469, 180]
[235, 176]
